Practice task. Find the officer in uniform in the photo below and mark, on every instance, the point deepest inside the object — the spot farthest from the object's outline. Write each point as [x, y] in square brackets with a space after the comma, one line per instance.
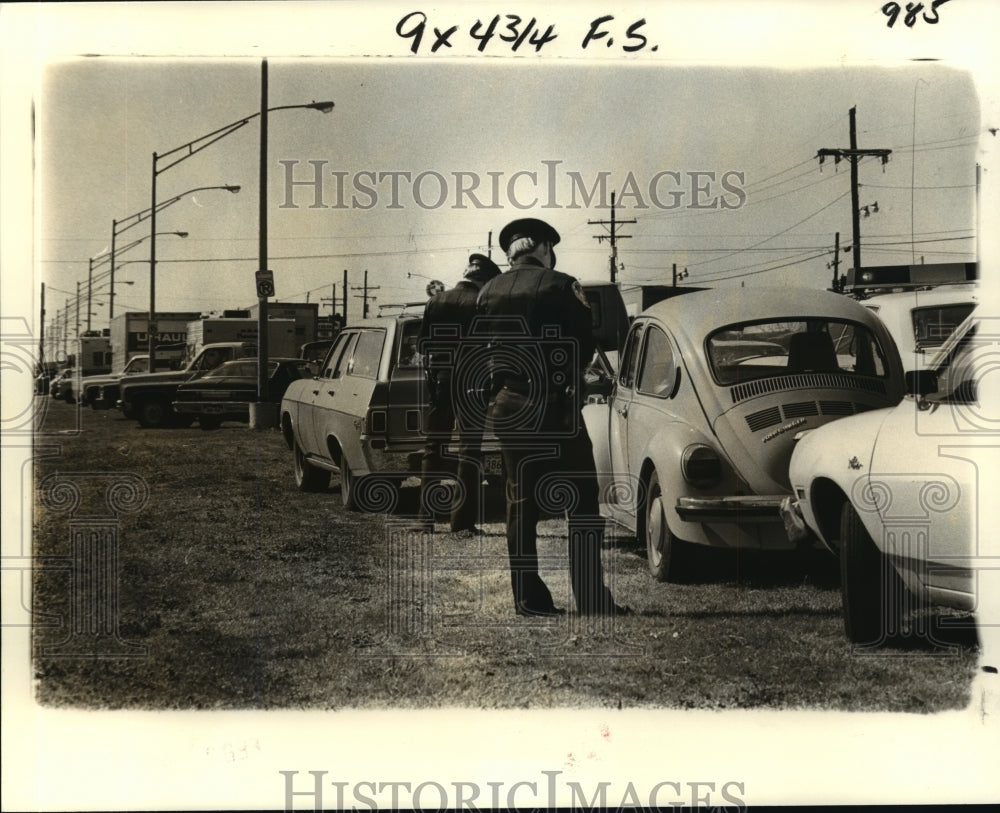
[446, 319]
[541, 339]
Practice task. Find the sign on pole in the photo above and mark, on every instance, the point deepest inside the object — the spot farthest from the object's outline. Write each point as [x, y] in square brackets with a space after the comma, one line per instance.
[265, 284]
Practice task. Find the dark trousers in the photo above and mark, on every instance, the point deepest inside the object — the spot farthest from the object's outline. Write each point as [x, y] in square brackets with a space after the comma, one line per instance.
[549, 463]
[440, 424]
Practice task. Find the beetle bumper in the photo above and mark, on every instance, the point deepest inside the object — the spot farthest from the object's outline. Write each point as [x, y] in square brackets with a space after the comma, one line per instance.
[763, 508]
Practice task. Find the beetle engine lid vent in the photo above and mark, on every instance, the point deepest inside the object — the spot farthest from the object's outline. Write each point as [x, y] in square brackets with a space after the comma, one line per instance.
[763, 419]
[801, 381]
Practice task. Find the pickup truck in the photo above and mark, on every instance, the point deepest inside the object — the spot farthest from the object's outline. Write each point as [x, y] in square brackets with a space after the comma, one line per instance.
[101, 391]
[149, 397]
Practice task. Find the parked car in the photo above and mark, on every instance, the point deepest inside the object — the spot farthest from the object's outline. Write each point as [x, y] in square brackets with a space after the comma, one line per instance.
[893, 493]
[60, 387]
[921, 320]
[44, 373]
[361, 415]
[148, 397]
[692, 446]
[225, 394]
[96, 390]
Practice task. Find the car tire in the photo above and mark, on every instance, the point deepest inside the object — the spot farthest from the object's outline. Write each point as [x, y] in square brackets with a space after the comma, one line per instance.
[664, 552]
[871, 590]
[308, 477]
[153, 413]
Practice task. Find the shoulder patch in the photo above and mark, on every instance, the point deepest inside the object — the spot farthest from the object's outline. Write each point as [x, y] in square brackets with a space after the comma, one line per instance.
[578, 291]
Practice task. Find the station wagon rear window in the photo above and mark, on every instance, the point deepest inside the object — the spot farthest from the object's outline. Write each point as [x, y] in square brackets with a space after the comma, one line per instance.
[759, 349]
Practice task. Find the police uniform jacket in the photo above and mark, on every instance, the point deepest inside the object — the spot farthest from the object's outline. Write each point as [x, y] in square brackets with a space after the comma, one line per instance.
[447, 317]
[552, 308]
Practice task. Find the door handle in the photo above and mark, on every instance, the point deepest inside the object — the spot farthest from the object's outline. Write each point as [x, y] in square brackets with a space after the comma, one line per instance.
[315, 392]
[623, 411]
[331, 392]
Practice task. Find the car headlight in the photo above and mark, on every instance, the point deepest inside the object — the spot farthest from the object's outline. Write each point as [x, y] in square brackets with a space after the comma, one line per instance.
[701, 466]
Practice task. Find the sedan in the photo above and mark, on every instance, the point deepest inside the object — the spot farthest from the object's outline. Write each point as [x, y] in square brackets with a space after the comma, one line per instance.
[692, 446]
[894, 493]
[225, 393]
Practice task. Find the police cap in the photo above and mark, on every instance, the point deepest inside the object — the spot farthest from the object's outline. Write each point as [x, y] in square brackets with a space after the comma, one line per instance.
[481, 269]
[532, 227]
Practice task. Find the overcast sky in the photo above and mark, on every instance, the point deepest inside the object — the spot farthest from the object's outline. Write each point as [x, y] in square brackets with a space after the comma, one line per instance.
[717, 167]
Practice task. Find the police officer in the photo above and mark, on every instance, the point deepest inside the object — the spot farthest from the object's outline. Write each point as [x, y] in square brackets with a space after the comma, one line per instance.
[446, 320]
[541, 339]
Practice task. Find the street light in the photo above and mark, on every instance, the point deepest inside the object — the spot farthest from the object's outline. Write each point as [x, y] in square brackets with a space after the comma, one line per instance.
[177, 155]
[111, 254]
[126, 223]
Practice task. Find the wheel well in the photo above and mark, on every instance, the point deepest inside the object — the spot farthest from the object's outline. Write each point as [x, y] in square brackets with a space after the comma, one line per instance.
[827, 500]
[336, 453]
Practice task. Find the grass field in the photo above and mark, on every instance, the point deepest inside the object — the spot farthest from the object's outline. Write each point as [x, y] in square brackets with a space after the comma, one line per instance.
[234, 590]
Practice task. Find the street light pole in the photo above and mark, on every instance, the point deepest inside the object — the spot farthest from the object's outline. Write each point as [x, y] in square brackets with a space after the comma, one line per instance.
[260, 418]
[151, 326]
[114, 236]
[136, 218]
[182, 153]
[90, 284]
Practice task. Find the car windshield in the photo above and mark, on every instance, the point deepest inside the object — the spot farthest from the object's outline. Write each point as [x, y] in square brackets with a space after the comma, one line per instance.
[932, 325]
[743, 352]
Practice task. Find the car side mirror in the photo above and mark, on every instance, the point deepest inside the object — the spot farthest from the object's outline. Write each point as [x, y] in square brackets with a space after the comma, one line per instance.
[921, 382]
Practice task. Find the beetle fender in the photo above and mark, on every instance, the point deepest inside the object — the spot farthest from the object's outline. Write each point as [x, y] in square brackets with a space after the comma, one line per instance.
[664, 453]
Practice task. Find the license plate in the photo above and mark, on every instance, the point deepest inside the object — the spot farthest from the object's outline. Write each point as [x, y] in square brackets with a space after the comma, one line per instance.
[493, 464]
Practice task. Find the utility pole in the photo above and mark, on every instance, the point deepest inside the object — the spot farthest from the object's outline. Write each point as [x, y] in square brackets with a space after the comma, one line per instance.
[332, 299]
[854, 155]
[78, 310]
[836, 263]
[489, 245]
[613, 237]
[344, 288]
[676, 276]
[364, 296]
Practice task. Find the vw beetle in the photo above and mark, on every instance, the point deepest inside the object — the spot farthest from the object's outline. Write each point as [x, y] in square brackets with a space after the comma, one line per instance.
[693, 443]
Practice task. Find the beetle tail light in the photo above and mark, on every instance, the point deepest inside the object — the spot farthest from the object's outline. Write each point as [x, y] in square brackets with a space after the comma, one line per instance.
[701, 466]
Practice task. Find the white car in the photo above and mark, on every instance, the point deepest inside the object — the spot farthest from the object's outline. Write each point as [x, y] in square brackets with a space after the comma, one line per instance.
[895, 493]
[693, 443]
[921, 320]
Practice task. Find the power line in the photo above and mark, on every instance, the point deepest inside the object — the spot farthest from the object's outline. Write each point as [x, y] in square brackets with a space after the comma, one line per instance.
[783, 231]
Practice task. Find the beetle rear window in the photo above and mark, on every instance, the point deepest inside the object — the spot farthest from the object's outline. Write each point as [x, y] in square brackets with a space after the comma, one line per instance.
[750, 350]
